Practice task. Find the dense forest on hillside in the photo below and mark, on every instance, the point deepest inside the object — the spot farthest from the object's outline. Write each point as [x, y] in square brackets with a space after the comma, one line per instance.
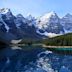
[63, 40]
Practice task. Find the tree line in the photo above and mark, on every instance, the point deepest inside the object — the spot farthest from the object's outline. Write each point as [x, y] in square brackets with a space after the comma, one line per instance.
[63, 40]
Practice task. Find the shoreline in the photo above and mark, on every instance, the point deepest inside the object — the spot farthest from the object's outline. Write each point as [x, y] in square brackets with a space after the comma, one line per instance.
[57, 46]
[43, 45]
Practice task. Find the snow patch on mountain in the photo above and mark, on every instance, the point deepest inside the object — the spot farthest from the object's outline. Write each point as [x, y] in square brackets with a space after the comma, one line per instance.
[50, 35]
[6, 26]
[47, 16]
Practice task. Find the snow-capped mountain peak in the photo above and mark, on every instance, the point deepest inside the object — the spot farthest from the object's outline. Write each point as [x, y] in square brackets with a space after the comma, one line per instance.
[45, 20]
[48, 15]
[4, 10]
[66, 21]
[67, 18]
[68, 15]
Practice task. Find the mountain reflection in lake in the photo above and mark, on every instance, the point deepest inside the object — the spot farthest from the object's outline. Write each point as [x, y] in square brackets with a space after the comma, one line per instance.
[33, 59]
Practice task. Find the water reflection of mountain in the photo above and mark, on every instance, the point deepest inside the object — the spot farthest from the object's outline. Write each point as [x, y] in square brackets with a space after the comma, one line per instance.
[2, 45]
[33, 59]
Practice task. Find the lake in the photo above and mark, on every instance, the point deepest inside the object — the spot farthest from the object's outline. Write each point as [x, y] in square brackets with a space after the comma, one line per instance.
[34, 59]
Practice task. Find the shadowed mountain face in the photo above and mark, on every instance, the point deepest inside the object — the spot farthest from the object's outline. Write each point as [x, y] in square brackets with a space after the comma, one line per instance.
[18, 27]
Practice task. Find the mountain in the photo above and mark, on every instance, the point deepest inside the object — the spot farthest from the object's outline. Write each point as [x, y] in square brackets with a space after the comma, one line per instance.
[8, 20]
[50, 23]
[66, 21]
[20, 27]
[16, 27]
[19, 20]
[4, 28]
[26, 26]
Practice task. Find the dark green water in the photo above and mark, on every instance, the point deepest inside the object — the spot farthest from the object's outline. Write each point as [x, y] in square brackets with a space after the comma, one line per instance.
[34, 59]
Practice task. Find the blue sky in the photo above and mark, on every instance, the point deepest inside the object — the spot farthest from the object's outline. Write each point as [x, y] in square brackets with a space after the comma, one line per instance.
[37, 7]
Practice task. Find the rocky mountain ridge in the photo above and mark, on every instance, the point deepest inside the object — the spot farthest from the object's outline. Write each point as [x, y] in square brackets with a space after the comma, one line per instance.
[18, 27]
